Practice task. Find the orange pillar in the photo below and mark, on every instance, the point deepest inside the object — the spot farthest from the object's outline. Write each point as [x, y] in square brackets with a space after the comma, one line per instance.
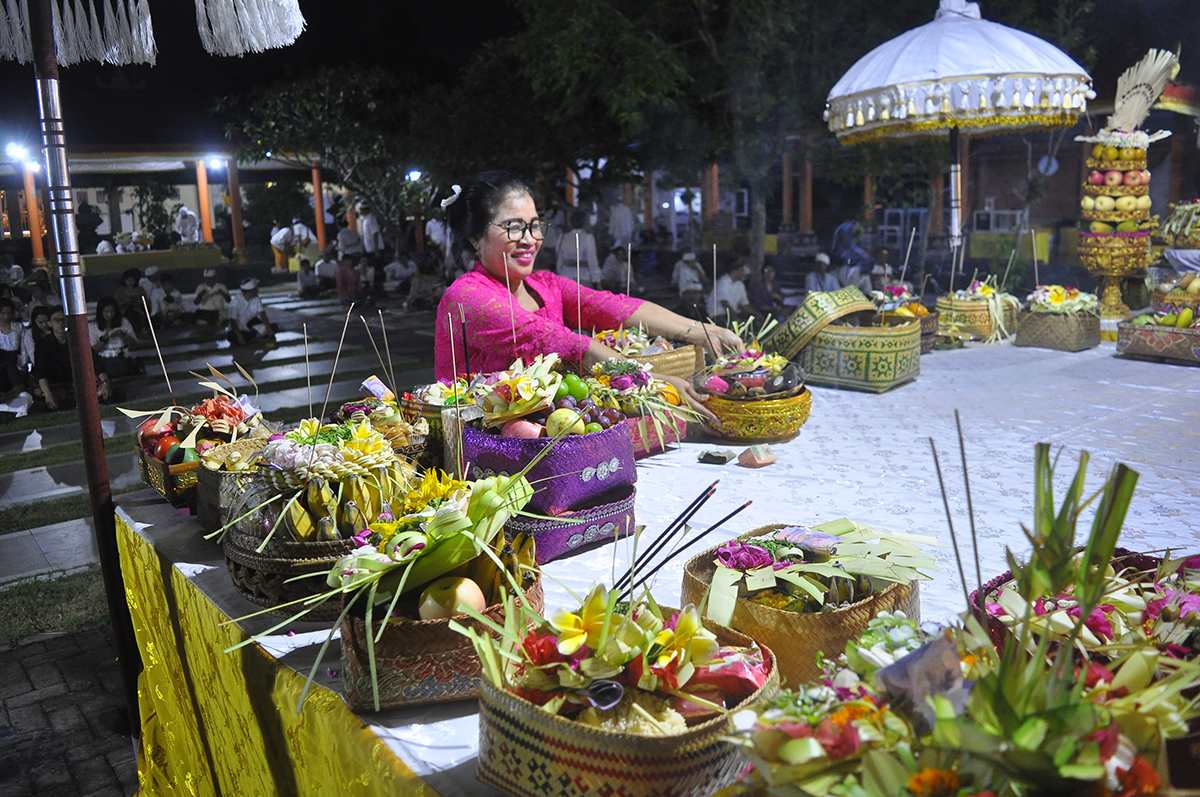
[419, 235]
[235, 212]
[710, 189]
[572, 194]
[351, 216]
[869, 196]
[786, 223]
[937, 207]
[319, 207]
[35, 219]
[627, 194]
[806, 215]
[205, 208]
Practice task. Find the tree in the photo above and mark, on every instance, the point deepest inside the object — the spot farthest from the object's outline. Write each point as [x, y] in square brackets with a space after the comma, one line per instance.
[276, 202]
[150, 196]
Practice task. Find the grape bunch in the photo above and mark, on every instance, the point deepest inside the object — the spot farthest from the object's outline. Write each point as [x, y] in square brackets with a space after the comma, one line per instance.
[573, 394]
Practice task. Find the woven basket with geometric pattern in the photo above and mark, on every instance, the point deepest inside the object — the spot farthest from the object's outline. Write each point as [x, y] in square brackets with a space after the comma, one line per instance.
[527, 752]
[797, 637]
[1059, 331]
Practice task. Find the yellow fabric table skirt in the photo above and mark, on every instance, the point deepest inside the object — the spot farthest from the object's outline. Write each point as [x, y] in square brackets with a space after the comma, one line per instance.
[216, 723]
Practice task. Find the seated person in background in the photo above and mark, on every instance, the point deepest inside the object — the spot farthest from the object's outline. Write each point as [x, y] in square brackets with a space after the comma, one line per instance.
[326, 270]
[105, 247]
[616, 271]
[729, 299]
[149, 280]
[247, 317]
[166, 303]
[211, 299]
[400, 271]
[819, 280]
[690, 278]
[306, 281]
[765, 297]
[39, 323]
[349, 245]
[350, 287]
[881, 272]
[111, 336]
[129, 295]
[41, 293]
[52, 376]
[850, 275]
[427, 287]
[16, 352]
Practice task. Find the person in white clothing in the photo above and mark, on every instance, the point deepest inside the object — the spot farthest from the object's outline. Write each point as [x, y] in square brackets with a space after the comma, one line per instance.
[301, 233]
[729, 297]
[211, 299]
[578, 239]
[282, 242]
[349, 245]
[187, 225]
[373, 244]
[166, 303]
[105, 247]
[247, 317]
[149, 281]
[819, 280]
[689, 277]
[620, 225]
[616, 271]
[854, 276]
[437, 235]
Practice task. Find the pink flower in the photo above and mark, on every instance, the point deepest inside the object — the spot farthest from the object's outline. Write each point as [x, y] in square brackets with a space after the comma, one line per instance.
[1186, 601]
[622, 382]
[744, 556]
[796, 730]
[994, 609]
[1097, 622]
[837, 743]
[1191, 563]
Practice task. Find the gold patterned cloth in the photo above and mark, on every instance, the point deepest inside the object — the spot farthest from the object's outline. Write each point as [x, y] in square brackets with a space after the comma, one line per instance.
[216, 723]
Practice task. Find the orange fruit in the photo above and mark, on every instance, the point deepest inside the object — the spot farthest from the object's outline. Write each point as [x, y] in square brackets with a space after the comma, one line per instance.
[669, 394]
[919, 309]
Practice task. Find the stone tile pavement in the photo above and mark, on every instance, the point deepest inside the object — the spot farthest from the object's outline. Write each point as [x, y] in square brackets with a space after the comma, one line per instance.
[63, 725]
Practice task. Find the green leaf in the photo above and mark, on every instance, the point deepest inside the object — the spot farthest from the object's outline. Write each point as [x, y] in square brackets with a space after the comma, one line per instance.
[883, 773]
[1031, 733]
[722, 599]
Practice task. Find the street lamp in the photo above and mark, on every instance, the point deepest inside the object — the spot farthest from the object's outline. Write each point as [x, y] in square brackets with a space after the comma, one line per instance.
[414, 175]
[215, 163]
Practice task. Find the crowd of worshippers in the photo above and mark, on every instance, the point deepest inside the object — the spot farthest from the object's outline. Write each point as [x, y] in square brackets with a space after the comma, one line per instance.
[35, 363]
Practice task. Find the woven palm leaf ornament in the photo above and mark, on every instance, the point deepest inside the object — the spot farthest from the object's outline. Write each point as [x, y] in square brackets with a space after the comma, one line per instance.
[1137, 90]
[121, 32]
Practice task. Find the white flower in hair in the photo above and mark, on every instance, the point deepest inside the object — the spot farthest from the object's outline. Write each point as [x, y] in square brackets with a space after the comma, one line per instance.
[450, 200]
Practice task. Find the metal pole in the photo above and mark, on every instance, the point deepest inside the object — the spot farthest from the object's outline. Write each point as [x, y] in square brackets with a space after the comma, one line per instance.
[70, 276]
[955, 197]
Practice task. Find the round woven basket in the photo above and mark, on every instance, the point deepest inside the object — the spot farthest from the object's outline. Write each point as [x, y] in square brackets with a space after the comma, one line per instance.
[526, 752]
[1114, 253]
[1116, 190]
[973, 316]
[797, 637]
[768, 420]
[682, 362]
[417, 661]
[1118, 166]
[411, 410]
[218, 490]
[1116, 215]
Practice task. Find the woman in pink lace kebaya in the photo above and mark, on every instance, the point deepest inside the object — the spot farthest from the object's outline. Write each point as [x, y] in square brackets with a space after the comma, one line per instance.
[496, 225]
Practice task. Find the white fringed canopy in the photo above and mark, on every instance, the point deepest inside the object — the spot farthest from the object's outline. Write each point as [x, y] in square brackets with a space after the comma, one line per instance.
[121, 32]
[957, 71]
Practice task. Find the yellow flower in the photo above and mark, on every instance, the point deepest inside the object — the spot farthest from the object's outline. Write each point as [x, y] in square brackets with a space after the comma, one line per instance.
[576, 630]
[430, 487]
[688, 641]
[309, 427]
[934, 783]
[1057, 295]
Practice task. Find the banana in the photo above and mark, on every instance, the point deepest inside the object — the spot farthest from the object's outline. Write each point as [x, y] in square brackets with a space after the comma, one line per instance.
[354, 490]
[326, 530]
[351, 520]
[319, 497]
[526, 552]
[298, 521]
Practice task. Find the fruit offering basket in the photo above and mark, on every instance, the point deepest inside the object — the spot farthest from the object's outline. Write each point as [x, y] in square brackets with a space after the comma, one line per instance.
[896, 301]
[981, 311]
[665, 358]
[803, 611]
[644, 718]
[653, 409]
[1181, 230]
[224, 472]
[176, 483]
[1176, 295]
[757, 397]
[1060, 318]
[1152, 337]
[406, 438]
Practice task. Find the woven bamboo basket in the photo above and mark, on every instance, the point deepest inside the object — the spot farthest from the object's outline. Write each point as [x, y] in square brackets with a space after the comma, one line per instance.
[650, 442]
[928, 343]
[1158, 343]
[412, 409]
[1117, 165]
[682, 362]
[262, 577]
[973, 316]
[417, 662]
[1059, 331]
[1114, 254]
[1115, 216]
[527, 752]
[798, 637]
[218, 490]
[869, 358]
[767, 420]
[176, 483]
[598, 522]
[1172, 302]
[817, 311]
[1115, 190]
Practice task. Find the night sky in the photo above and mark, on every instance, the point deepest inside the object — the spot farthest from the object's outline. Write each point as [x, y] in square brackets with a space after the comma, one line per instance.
[171, 102]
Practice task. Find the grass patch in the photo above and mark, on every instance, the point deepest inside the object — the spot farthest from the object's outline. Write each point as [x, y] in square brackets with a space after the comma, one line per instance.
[60, 454]
[69, 604]
[57, 510]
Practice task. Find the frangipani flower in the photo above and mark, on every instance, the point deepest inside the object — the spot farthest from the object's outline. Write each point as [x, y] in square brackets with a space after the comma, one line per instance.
[577, 630]
[688, 641]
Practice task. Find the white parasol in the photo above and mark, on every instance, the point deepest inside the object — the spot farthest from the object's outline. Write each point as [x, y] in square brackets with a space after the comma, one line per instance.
[959, 71]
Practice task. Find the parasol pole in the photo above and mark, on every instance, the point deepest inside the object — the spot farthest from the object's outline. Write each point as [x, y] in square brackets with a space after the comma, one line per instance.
[955, 193]
[70, 278]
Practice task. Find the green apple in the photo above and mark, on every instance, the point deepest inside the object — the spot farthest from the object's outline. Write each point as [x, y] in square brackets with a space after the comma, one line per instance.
[1099, 226]
[1087, 203]
[1126, 203]
[1143, 202]
[1127, 226]
[446, 597]
[1105, 203]
[565, 420]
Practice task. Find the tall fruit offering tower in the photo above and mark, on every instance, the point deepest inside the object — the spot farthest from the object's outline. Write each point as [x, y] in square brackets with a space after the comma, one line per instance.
[1115, 209]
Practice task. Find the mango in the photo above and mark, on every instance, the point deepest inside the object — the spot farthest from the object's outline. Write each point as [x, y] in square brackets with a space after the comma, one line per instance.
[1185, 319]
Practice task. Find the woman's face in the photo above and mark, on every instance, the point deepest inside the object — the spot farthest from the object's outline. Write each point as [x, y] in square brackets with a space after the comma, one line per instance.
[130, 281]
[42, 322]
[495, 248]
[110, 312]
[5, 315]
[58, 324]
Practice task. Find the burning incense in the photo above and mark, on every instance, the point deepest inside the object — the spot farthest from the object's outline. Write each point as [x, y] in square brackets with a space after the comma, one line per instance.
[157, 350]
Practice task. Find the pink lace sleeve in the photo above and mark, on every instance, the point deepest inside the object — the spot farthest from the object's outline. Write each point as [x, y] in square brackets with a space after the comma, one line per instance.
[601, 309]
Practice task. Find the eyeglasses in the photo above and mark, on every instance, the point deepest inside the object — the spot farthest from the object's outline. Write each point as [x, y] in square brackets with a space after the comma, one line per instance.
[515, 229]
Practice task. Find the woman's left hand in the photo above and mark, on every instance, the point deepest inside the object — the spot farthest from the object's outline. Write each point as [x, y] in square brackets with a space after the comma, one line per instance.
[688, 393]
[719, 341]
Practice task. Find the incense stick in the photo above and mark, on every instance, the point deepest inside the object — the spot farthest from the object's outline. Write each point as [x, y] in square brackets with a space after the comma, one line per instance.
[462, 318]
[906, 254]
[512, 313]
[924, 282]
[695, 540]
[628, 268]
[1011, 255]
[333, 372]
[679, 521]
[682, 527]
[716, 354]
[387, 346]
[157, 350]
[1033, 250]
[714, 287]
[962, 447]
[307, 369]
[578, 298]
[454, 381]
[950, 520]
[377, 354]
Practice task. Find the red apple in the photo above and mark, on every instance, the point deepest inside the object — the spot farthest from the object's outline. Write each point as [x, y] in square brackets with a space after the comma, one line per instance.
[1114, 178]
[446, 596]
[523, 428]
[1133, 178]
[1145, 177]
[1096, 178]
